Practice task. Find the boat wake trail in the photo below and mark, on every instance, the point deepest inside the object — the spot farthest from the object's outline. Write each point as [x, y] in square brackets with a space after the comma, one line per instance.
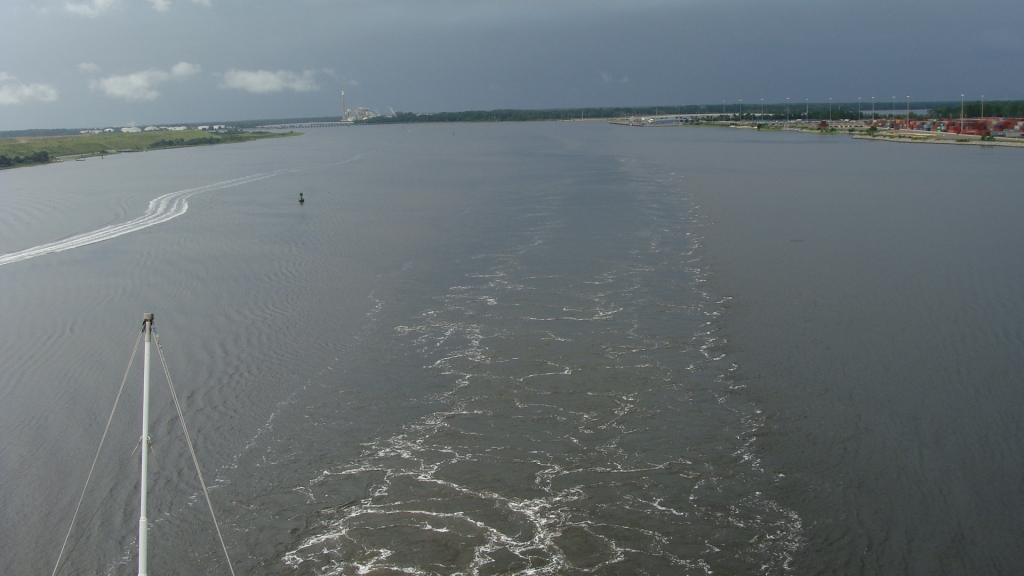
[162, 209]
[166, 207]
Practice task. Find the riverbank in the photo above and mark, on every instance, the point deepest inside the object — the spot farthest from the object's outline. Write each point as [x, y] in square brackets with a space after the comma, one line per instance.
[929, 139]
[909, 136]
[31, 151]
[856, 129]
[902, 136]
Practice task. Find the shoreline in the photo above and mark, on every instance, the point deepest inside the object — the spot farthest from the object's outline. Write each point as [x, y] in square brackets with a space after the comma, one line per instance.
[905, 138]
[837, 128]
[18, 150]
[915, 139]
[896, 137]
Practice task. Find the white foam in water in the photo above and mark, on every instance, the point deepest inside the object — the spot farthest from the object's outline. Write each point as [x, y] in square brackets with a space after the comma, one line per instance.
[576, 432]
[162, 209]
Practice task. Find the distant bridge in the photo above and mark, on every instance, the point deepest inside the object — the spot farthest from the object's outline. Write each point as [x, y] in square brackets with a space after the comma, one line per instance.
[307, 125]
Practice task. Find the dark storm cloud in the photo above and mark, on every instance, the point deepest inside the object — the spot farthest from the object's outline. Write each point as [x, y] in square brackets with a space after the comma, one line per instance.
[272, 58]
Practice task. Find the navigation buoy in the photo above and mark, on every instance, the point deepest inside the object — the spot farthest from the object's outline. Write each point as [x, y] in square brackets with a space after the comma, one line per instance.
[301, 199]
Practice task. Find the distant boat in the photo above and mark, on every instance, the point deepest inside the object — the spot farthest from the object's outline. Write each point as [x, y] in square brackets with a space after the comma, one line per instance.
[301, 199]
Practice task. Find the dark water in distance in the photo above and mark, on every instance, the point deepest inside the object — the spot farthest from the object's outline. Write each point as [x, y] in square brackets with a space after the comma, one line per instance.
[547, 348]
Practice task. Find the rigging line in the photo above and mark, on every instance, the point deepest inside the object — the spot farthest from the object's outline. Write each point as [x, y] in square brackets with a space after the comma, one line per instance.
[195, 460]
[95, 458]
[100, 507]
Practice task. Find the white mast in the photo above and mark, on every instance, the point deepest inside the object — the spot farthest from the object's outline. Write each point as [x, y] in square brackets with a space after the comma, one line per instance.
[147, 331]
[147, 327]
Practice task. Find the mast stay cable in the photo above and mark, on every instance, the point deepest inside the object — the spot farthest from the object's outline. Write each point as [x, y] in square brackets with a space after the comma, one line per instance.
[100, 507]
[195, 460]
[92, 468]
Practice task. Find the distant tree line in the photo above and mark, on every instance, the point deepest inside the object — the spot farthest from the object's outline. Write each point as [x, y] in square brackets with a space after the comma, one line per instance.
[1007, 108]
[41, 157]
[816, 112]
[747, 110]
[513, 115]
[39, 132]
[182, 142]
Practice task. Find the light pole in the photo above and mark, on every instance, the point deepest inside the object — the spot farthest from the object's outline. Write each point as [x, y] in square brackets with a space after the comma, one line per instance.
[723, 107]
[741, 109]
[872, 109]
[982, 105]
[908, 111]
[829, 110]
[762, 109]
[859, 115]
[807, 111]
[960, 130]
[787, 110]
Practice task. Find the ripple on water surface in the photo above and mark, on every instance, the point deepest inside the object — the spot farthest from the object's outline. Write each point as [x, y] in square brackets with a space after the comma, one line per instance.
[586, 424]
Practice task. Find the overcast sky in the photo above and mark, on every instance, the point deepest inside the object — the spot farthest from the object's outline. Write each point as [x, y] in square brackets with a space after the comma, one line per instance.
[92, 63]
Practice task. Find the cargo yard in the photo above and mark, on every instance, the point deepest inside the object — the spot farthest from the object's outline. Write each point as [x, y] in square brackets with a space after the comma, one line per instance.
[984, 130]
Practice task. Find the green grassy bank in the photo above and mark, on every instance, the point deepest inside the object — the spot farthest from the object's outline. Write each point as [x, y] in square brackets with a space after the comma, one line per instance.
[26, 151]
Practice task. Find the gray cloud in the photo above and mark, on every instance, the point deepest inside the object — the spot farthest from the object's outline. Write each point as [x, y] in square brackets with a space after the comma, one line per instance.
[135, 87]
[263, 81]
[141, 86]
[13, 91]
[90, 9]
[93, 8]
[425, 56]
[184, 69]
